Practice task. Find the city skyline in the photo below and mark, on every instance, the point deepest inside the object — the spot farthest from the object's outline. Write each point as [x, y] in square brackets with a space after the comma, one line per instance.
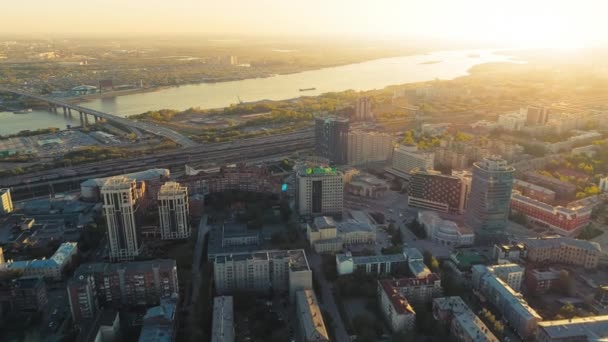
[518, 23]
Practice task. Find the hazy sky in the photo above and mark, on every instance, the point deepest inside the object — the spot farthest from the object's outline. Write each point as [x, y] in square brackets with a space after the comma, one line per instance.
[526, 22]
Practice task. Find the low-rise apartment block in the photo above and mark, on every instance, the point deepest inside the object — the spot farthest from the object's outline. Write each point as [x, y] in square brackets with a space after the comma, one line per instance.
[465, 326]
[418, 290]
[397, 311]
[51, 268]
[136, 283]
[511, 304]
[593, 328]
[222, 329]
[310, 320]
[563, 250]
[281, 270]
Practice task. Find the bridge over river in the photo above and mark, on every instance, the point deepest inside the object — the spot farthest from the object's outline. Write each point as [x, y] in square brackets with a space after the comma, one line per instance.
[55, 104]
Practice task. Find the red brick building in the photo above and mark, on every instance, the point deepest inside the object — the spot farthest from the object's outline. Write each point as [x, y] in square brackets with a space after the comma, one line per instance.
[562, 220]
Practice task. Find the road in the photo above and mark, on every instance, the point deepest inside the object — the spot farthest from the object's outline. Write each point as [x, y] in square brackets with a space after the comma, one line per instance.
[328, 303]
[197, 259]
[148, 127]
[395, 209]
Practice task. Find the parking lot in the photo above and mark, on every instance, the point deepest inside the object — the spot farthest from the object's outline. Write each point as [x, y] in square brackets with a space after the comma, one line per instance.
[393, 205]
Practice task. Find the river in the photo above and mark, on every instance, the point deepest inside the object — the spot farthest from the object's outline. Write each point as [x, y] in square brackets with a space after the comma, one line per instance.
[375, 74]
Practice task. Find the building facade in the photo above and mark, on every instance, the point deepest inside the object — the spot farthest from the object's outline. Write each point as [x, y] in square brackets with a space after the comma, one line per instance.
[592, 328]
[563, 190]
[566, 221]
[465, 326]
[363, 109]
[51, 268]
[445, 232]
[418, 290]
[368, 147]
[119, 285]
[173, 210]
[536, 115]
[429, 189]
[407, 158]
[28, 294]
[319, 191]
[6, 202]
[536, 192]
[120, 203]
[374, 264]
[331, 139]
[563, 250]
[159, 322]
[488, 208]
[281, 271]
[397, 311]
[511, 304]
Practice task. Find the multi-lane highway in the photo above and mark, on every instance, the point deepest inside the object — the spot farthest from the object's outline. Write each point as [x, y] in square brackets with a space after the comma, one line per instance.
[231, 152]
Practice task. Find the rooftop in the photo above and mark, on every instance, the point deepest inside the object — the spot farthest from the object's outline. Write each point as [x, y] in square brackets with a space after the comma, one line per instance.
[323, 222]
[406, 282]
[131, 266]
[371, 259]
[158, 323]
[310, 315]
[28, 282]
[354, 226]
[223, 319]
[584, 328]
[138, 176]
[171, 188]
[297, 258]
[398, 300]
[515, 299]
[316, 171]
[558, 241]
